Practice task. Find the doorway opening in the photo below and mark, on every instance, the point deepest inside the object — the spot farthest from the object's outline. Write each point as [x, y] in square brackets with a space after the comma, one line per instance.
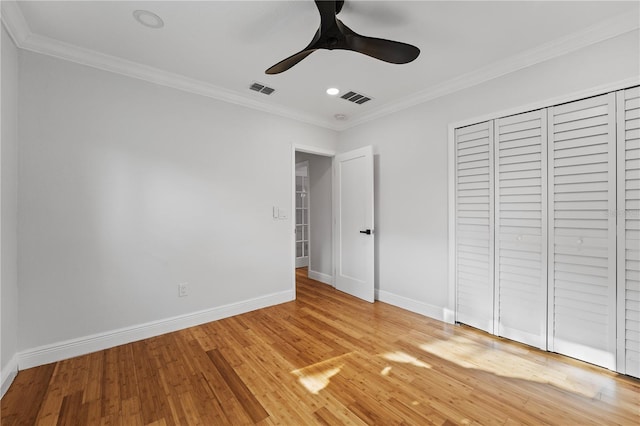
[341, 238]
[313, 217]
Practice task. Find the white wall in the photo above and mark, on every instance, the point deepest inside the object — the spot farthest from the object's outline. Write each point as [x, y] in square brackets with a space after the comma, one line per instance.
[128, 188]
[321, 238]
[411, 164]
[8, 215]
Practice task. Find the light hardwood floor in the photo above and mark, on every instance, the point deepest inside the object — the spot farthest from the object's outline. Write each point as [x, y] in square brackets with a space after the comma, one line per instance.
[326, 358]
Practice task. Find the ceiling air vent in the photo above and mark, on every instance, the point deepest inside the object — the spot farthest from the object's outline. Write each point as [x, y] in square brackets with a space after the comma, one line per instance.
[356, 97]
[261, 88]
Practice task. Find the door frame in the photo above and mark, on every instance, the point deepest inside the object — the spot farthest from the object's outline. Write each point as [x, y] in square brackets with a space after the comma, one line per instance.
[292, 190]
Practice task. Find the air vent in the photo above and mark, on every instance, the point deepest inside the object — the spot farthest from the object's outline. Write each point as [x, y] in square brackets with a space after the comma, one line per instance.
[261, 88]
[357, 98]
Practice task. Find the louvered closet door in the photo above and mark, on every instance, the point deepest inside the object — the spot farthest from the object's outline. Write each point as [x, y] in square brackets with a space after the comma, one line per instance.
[521, 233]
[474, 226]
[629, 231]
[582, 237]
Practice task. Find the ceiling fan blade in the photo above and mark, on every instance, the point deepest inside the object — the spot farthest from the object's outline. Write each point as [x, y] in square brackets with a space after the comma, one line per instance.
[385, 50]
[394, 52]
[287, 63]
[328, 12]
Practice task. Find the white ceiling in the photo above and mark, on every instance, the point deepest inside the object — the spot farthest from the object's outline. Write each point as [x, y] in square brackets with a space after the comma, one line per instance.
[221, 47]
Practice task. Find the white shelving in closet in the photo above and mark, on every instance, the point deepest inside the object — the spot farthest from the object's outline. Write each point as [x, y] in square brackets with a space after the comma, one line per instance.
[302, 214]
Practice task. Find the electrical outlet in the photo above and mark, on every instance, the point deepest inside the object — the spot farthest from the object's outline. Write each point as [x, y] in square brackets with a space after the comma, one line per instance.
[183, 289]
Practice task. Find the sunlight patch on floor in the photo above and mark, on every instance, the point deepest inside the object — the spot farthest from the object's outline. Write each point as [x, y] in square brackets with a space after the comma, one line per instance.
[501, 362]
[317, 376]
[314, 383]
[404, 358]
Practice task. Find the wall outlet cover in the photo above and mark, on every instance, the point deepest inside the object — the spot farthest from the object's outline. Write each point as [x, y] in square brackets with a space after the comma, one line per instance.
[183, 289]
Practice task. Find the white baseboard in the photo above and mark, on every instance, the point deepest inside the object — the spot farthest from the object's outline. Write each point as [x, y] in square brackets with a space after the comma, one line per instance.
[319, 276]
[431, 311]
[449, 316]
[96, 342]
[9, 373]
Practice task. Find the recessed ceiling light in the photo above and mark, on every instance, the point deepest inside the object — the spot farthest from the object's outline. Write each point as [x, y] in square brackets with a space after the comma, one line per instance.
[332, 91]
[341, 117]
[148, 19]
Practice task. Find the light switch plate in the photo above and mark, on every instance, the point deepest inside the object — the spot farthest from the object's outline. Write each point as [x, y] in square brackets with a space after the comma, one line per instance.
[183, 289]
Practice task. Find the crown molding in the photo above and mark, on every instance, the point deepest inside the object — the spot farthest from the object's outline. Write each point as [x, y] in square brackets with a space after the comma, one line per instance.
[19, 30]
[610, 28]
[69, 52]
[24, 38]
[14, 21]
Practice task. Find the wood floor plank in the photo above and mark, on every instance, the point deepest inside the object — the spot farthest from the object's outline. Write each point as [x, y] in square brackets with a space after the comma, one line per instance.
[251, 405]
[73, 411]
[223, 394]
[153, 405]
[326, 358]
[93, 380]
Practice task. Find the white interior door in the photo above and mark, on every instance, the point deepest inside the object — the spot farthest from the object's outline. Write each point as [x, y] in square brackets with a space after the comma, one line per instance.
[582, 230]
[353, 215]
[521, 232]
[474, 226]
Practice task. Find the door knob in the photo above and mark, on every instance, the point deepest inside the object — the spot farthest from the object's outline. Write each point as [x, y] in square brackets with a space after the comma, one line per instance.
[366, 231]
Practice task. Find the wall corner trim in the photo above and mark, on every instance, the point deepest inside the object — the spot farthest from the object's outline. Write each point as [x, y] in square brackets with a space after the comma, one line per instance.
[14, 22]
[84, 345]
[9, 372]
[319, 276]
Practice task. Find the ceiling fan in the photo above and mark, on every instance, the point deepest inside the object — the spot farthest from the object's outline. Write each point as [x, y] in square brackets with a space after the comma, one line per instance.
[333, 34]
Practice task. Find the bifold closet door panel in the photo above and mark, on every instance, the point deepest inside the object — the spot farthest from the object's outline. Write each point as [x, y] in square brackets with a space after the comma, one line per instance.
[629, 231]
[474, 225]
[521, 232]
[582, 237]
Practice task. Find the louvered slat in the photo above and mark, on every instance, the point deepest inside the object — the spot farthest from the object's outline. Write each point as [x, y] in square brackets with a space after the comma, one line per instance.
[474, 226]
[520, 206]
[582, 237]
[628, 215]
